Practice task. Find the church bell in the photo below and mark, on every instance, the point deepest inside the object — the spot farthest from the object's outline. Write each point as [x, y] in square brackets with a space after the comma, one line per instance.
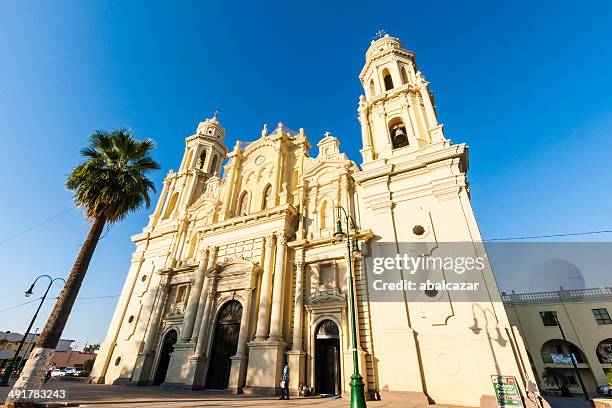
[400, 138]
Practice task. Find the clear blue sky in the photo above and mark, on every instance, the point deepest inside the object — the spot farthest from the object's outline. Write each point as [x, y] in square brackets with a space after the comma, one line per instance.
[526, 84]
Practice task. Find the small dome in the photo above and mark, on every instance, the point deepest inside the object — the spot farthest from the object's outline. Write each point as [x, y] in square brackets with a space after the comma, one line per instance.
[211, 127]
[382, 45]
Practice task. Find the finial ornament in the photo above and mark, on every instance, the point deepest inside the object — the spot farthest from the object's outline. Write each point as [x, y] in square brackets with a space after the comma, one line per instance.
[380, 34]
[264, 131]
[216, 113]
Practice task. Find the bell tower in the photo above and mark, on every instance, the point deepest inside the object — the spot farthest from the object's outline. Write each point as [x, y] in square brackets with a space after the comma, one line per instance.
[397, 113]
[204, 154]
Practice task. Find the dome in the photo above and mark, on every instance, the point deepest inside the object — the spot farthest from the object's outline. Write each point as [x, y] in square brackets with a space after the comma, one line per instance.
[211, 127]
[383, 44]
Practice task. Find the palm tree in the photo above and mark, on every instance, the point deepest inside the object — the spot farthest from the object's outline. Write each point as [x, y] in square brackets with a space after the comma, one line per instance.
[108, 185]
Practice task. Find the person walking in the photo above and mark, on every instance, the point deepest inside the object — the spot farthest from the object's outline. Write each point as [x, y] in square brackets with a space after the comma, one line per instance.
[284, 385]
[50, 369]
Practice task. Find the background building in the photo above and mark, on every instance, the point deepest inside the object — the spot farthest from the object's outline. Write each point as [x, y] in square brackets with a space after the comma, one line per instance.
[9, 342]
[584, 315]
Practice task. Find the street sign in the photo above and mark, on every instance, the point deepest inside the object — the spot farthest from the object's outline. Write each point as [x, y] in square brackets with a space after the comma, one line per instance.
[506, 391]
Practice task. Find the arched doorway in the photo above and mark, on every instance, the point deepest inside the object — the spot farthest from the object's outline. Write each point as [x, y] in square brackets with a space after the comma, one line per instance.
[164, 357]
[327, 358]
[225, 343]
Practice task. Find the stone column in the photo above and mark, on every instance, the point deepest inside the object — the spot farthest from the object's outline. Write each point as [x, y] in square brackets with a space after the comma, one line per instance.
[298, 308]
[366, 150]
[211, 259]
[276, 320]
[171, 191]
[239, 360]
[194, 297]
[276, 178]
[162, 197]
[429, 110]
[263, 316]
[201, 344]
[296, 357]
[144, 361]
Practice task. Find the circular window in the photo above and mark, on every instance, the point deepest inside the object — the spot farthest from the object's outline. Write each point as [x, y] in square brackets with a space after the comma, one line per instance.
[418, 230]
[117, 361]
[259, 160]
[131, 319]
[144, 278]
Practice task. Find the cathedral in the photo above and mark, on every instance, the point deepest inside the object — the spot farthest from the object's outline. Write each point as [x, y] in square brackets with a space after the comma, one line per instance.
[233, 276]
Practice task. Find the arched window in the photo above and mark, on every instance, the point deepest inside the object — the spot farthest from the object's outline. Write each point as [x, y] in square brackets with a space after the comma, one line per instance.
[404, 74]
[243, 203]
[371, 88]
[171, 205]
[387, 79]
[267, 198]
[202, 160]
[213, 166]
[397, 131]
[325, 215]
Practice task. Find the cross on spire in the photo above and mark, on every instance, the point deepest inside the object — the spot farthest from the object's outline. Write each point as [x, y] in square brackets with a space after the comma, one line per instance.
[380, 34]
[327, 134]
[217, 110]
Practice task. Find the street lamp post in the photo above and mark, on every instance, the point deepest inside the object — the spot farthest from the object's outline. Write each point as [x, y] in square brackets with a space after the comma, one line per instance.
[357, 386]
[28, 350]
[4, 381]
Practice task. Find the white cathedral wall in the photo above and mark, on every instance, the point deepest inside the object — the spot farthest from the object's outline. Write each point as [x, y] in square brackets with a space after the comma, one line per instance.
[456, 363]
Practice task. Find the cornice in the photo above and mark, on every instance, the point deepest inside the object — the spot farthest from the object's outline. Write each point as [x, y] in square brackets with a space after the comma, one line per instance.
[285, 211]
[429, 158]
[372, 58]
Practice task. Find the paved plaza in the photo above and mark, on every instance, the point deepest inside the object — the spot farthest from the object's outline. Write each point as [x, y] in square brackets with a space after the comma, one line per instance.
[90, 395]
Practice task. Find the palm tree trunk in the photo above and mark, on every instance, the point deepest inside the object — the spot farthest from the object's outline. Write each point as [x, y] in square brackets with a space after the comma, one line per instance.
[33, 375]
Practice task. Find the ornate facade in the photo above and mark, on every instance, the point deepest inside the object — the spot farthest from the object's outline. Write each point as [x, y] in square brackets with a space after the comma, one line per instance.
[234, 275]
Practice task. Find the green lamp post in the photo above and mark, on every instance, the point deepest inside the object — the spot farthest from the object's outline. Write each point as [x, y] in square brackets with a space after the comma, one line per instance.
[357, 386]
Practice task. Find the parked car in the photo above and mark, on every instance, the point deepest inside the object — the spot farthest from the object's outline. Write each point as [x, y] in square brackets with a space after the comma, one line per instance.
[73, 371]
[58, 372]
[604, 390]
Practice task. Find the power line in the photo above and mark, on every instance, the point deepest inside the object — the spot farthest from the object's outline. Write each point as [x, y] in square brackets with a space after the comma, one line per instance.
[23, 304]
[569, 234]
[55, 298]
[98, 297]
[40, 224]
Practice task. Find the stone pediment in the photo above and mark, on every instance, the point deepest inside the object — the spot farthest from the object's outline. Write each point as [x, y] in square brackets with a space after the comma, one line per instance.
[327, 298]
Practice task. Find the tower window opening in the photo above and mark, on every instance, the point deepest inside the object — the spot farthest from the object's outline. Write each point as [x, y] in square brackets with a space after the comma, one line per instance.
[399, 136]
[202, 160]
[213, 167]
[404, 73]
[371, 88]
[267, 198]
[387, 80]
[243, 204]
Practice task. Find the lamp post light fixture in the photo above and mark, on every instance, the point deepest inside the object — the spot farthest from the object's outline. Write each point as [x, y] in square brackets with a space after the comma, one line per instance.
[4, 381]
[356, 384]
